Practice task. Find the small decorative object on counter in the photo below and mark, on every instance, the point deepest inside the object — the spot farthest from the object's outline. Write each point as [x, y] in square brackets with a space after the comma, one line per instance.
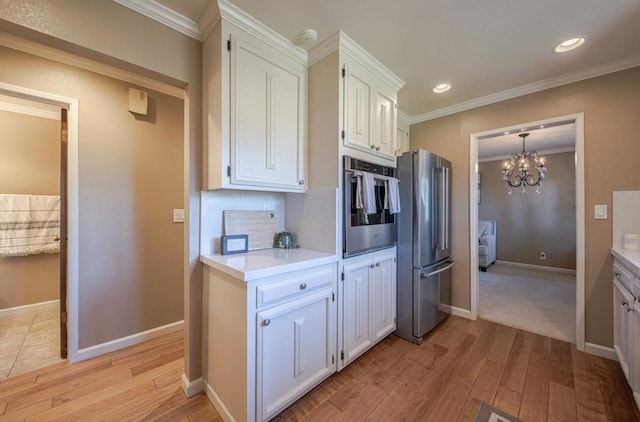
[284, 240]
[235, 243]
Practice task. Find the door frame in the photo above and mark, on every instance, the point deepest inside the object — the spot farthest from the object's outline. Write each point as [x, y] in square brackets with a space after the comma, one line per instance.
[71, 104]
[578, 120]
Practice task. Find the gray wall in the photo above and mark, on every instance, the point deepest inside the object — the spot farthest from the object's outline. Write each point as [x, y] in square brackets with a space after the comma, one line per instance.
[610, 105]
[530, 223]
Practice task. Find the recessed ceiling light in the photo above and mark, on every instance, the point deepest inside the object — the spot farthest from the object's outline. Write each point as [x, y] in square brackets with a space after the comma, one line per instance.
[569, 45]
[440, 88]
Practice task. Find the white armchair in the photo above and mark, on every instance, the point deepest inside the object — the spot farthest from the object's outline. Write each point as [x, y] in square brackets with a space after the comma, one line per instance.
[486, 243]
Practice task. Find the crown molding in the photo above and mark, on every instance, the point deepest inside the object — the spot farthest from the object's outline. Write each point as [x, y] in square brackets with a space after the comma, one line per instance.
[161, 13]
[404, 116]
[531, 88]
[243, 20]
[209, 19]
[341, 42]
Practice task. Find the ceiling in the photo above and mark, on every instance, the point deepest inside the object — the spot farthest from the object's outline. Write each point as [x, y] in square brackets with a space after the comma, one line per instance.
[546, 140]
[481, 47]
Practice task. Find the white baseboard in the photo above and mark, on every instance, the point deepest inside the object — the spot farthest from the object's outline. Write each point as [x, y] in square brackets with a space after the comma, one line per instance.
[596, 349]
[113, 345]
[537, 267]
[191, 388]
[454, 310]
[34, 307]
[217, 403]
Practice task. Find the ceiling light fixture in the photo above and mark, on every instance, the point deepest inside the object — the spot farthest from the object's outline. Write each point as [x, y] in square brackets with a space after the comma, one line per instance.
[440, 88]
[515, 172]
[569, 45]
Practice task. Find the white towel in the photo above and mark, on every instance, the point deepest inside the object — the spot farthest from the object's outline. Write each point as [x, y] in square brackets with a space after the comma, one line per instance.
[365, 195]
[29, 224]
[391, 196]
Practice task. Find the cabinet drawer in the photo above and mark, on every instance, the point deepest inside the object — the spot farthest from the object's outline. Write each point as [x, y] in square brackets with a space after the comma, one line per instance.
[623, 275]
[291, 287]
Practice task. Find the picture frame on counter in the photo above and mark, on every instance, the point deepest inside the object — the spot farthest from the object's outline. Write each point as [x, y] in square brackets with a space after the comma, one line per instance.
[234, 243]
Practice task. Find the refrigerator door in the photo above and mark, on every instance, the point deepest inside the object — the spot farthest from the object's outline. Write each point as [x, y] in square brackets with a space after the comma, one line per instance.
[425, 218]
[431, 298]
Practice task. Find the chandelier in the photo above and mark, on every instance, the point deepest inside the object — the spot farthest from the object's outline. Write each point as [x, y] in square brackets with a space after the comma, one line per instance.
[524, 170]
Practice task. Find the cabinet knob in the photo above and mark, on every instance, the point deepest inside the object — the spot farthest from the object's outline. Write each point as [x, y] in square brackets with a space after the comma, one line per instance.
[629, 309]
[301, 182]
[266, 322]
[624, 303]
[372, 265]
[377, 148]
[303, 286]
[377, 264]
[617, 274]
[373, 146]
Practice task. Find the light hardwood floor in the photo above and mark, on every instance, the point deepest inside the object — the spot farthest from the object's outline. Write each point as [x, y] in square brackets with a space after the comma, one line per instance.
[459, 365]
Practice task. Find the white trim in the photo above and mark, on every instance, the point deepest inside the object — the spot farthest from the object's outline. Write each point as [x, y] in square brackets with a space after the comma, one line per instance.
[164, 15]
[550, 151]
[59, 56]
[537, 267]
[341, 41]
[33, 307]
[578, 120]
[531, 88]
[454, 310]
[29, 111]
[596, 349]
[242, 19]
[217, 403]
[404, 116]
[71, 104]
[191, 388]
[210, 17]
[120, 343]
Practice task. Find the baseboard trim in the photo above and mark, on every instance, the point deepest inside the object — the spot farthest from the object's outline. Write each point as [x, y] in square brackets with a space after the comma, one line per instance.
[34, 307]
[596, 349]
[191, 388]
[217, 403]
[537, 267]
[454, 310]
[117, 344]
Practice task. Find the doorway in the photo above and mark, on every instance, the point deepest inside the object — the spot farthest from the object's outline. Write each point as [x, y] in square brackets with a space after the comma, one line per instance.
[578, 158]
[44, 316]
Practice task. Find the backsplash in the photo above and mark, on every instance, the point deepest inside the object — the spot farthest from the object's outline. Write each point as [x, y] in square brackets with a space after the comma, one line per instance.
[213, 203]
[626, 205]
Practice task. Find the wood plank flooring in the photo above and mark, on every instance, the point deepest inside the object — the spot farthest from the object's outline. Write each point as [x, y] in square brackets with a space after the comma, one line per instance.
[460, 364]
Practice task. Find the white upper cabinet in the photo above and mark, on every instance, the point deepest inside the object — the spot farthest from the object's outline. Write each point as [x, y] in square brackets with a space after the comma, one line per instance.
[370, 106]
[256, 107]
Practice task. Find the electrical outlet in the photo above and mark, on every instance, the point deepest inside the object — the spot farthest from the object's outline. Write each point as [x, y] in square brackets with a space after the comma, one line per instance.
[543, 255]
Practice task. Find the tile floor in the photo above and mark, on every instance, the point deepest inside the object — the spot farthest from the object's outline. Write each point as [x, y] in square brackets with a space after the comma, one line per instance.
[29, 341]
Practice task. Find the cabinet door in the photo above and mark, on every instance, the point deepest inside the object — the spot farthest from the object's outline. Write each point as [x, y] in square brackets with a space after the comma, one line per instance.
[385, 122]
[358, 107]
[357, 330]
[384, 297]
[266, 127]
[295, 350]
[623, 326]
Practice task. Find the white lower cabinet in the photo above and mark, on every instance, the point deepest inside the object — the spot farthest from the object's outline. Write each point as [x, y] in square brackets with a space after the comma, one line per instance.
[295, 350]
[270, 340]
[368, 290]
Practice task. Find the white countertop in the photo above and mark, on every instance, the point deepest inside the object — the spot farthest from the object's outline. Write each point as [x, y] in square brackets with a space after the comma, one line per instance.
[266, 262]
[630, 258]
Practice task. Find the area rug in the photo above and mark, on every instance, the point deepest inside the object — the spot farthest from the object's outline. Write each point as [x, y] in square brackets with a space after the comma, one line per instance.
[488, 413]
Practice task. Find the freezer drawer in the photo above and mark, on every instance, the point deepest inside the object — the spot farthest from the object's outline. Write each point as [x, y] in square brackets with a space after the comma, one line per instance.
[431, 298]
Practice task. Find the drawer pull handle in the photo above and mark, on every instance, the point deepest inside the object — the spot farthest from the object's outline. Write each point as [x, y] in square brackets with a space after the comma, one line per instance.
[303, 286]
[372, 265]
[373, 146]
[377, 148]
[266, 322]
[618, 274]
[625, 304]
[629, 309]
[377, 264]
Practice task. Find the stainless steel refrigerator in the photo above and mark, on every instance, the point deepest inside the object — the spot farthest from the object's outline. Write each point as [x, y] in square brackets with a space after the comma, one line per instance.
[424, 243]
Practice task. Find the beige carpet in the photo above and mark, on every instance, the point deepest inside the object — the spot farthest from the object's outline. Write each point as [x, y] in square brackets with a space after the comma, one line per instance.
[542, 302]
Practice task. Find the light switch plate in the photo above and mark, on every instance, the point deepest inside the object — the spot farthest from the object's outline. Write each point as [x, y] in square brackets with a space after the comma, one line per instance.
[600, 212]
[178, 216]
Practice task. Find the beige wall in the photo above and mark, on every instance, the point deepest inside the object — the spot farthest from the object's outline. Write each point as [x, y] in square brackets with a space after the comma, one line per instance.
[610, 104]
[110, 33]
[29, 165]
[530, 223]
[131, 177]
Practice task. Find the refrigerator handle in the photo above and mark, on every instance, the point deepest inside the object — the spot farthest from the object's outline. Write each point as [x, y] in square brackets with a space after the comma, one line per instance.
[443, 269]
[447, 200]
[442, 211]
